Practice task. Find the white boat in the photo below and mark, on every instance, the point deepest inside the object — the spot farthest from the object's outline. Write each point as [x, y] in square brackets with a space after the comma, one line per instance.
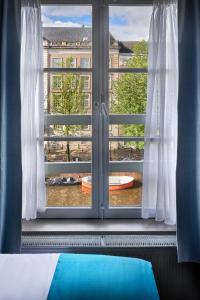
[115, 182]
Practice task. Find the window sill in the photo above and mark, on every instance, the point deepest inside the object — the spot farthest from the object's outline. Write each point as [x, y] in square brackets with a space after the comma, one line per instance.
[99, 226]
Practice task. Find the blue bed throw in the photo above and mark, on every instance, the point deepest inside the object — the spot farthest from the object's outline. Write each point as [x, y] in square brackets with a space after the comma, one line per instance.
[99, 277]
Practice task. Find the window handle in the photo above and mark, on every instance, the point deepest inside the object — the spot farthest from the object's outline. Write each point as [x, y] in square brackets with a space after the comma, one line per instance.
[104, 110]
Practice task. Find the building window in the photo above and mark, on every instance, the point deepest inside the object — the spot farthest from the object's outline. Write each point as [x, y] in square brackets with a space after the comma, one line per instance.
[71, 62]
[56, 62]
[86, 100]
[57, 82]
[84, 62]
[124, 60]
[86, 82]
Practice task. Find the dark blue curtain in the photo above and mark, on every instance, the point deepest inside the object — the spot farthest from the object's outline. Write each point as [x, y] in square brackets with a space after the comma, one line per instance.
[188, 165]
[10, 144]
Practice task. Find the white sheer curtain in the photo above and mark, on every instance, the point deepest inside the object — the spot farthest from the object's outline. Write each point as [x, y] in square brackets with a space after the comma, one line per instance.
[160, 154]
[33, 179]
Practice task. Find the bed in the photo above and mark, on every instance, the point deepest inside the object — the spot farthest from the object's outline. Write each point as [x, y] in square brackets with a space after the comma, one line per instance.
[74, 277]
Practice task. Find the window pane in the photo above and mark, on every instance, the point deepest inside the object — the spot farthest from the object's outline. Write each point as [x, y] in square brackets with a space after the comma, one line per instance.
[63, 151]
[66, 190]
[68, 93]
[128, 93]
[125, 189]
[126, 151]
[129, 31]
[67, 164]
[67, 32]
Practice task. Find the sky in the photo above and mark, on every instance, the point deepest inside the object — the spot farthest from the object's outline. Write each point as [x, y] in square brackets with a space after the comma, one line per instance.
[126, 23]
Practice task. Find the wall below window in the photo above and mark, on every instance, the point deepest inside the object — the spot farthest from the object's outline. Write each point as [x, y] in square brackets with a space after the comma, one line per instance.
[84, 225]
[174, 281]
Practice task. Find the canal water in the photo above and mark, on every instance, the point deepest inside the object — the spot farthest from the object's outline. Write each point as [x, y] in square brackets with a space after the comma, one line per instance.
[74, 196]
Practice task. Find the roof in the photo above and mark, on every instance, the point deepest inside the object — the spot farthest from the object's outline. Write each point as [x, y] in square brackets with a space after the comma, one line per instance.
[126, 46]
[70, 34]
[82, 34]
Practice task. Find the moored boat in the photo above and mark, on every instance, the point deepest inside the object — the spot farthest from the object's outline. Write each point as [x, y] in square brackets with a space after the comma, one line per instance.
[115, 182]
[63, 181]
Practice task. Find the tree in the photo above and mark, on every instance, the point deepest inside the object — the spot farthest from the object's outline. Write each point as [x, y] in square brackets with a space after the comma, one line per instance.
[130, 92]
[70, 102]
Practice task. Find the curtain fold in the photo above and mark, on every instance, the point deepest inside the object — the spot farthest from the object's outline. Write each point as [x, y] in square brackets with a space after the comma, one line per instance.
[10, 126]
[33, 186]
[160, 151]
[188, 162]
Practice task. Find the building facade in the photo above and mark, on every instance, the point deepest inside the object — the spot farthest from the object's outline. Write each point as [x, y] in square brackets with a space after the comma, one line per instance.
[72, 48]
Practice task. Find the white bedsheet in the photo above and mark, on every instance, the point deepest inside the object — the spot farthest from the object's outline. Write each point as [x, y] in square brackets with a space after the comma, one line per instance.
[26, 276]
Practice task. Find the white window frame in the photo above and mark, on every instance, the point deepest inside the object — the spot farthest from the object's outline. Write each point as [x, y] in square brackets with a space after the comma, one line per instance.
[100, 128]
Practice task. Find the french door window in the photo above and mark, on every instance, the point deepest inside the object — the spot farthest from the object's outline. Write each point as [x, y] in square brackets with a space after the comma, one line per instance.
[95, 86]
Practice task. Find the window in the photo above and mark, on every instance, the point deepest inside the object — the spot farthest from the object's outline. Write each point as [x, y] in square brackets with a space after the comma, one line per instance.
[57, 82]
[84, 62]
[94, 140]
[124, 60]
[86, 100]
[71, 62]
[56, 62]
[86, 82]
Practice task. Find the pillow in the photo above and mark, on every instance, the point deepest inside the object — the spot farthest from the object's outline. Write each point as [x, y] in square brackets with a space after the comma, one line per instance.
[99, 277]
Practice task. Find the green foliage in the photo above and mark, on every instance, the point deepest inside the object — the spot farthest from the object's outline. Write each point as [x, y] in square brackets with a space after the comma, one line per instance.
[72, 98]
[130, 92]
[71, 101]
